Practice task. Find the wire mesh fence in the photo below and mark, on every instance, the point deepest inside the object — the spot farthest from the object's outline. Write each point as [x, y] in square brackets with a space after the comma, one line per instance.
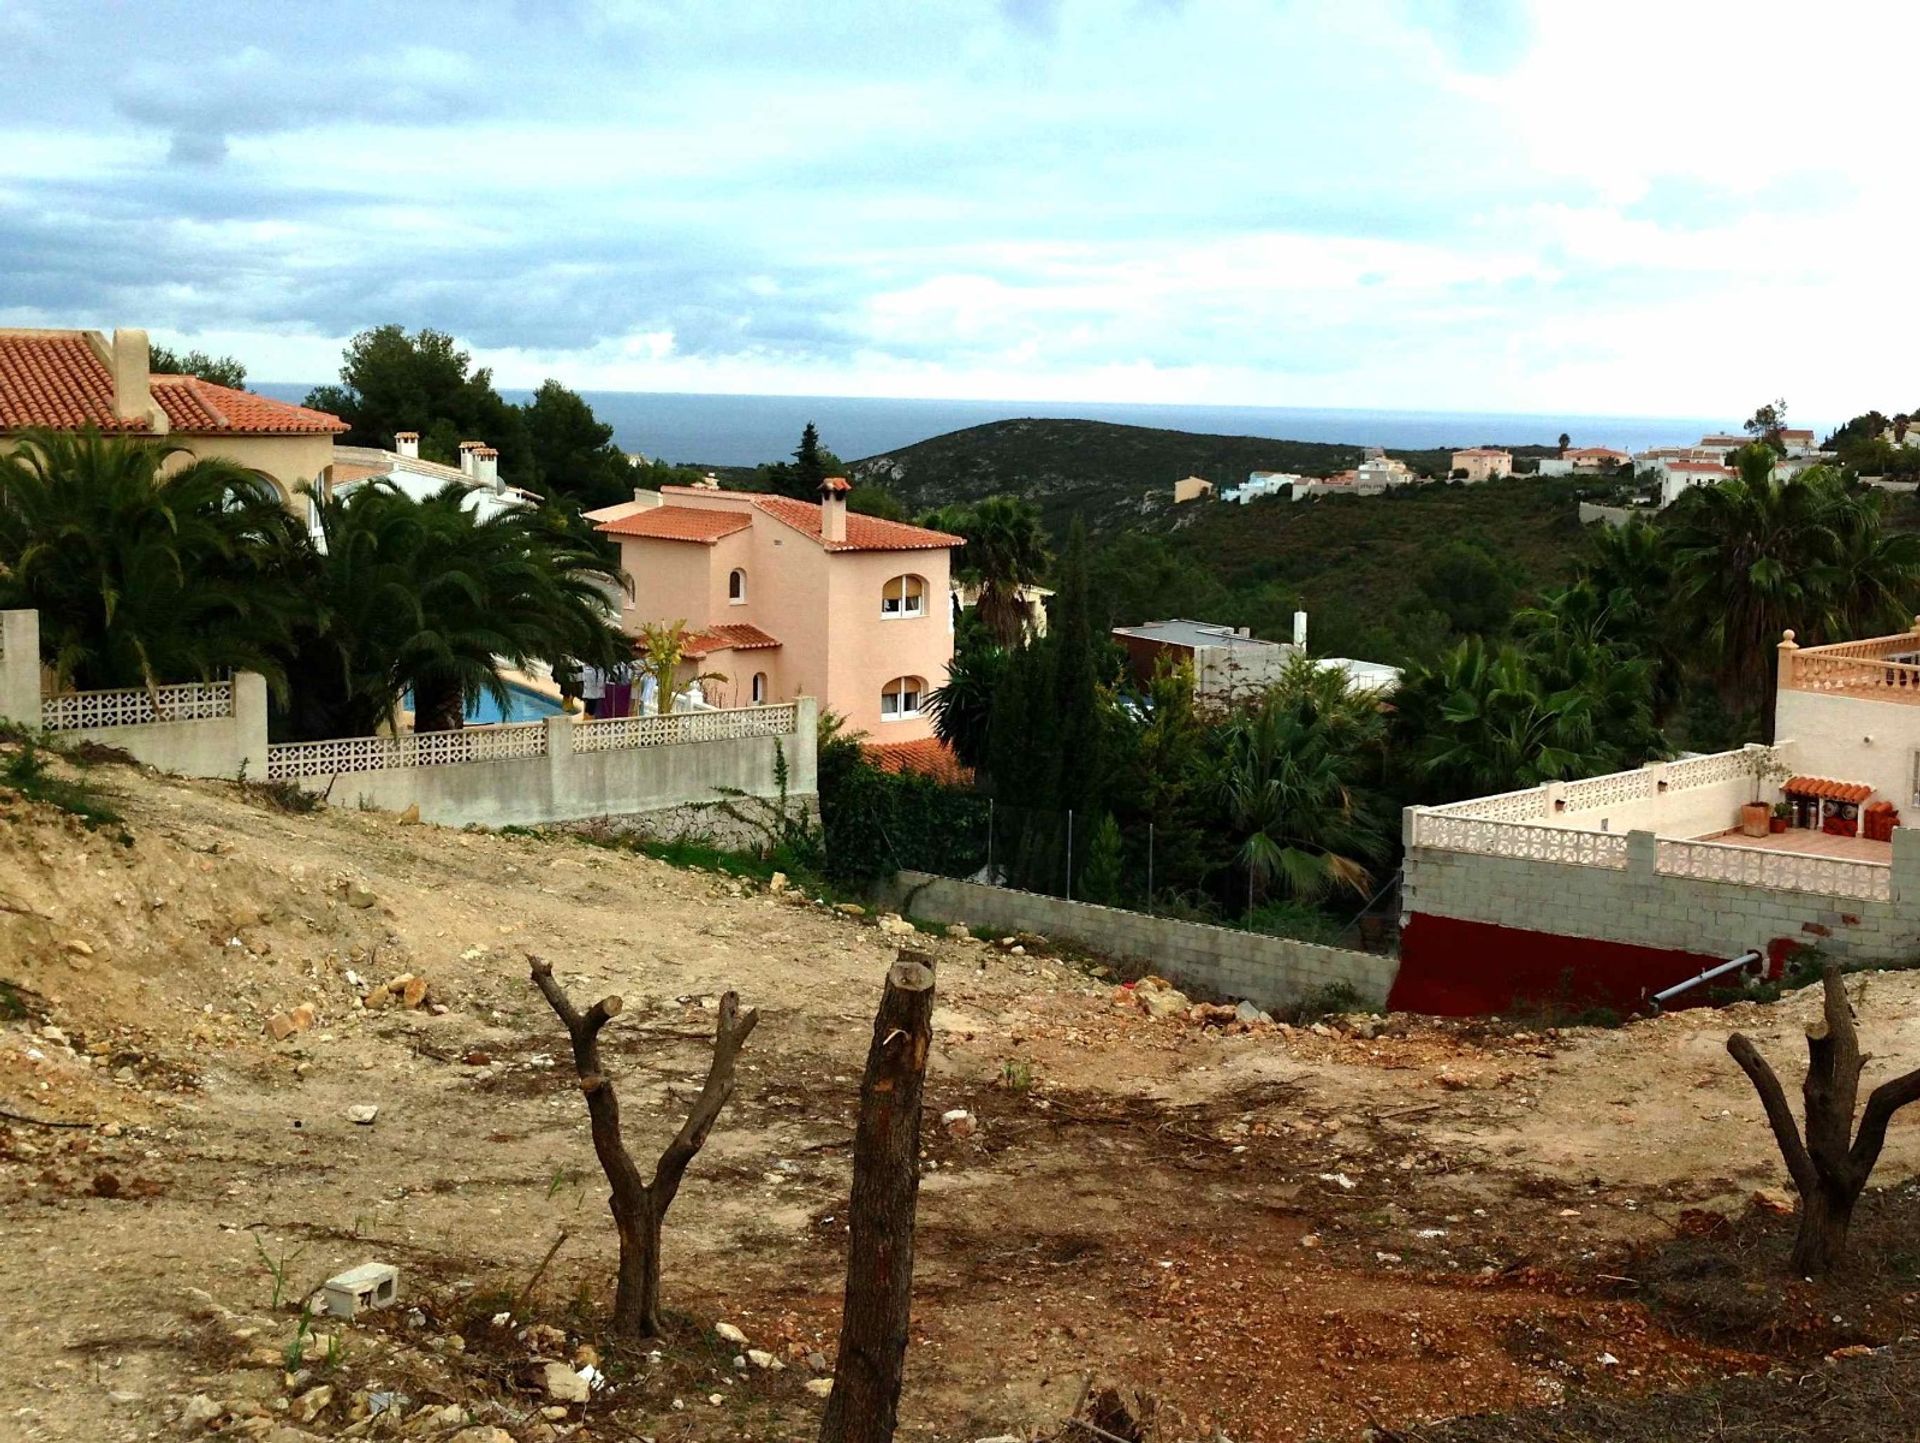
[1184, 874]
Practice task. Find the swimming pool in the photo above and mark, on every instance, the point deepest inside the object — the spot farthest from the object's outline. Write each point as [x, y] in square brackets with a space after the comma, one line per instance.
[523, 705]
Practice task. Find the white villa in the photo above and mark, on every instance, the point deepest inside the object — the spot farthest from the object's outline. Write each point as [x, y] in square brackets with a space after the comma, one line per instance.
[1609, 889]
[488, 493]
[1261, 483]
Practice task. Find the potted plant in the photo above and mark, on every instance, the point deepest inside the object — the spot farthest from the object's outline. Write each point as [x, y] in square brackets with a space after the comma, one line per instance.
[1782, 817]
[1763, 767]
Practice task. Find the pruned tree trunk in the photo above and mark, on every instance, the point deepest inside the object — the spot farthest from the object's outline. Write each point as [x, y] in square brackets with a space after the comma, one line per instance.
[1830, 1165]
[865, 1401]
[640, 1207]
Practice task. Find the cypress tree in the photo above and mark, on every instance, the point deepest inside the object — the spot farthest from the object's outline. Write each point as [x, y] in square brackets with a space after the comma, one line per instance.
[1078, 784]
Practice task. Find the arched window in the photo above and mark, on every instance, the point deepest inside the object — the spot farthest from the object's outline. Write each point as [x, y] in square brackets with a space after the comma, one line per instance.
[737, 587]
[904, 596]
[759, 687]
[901, 698]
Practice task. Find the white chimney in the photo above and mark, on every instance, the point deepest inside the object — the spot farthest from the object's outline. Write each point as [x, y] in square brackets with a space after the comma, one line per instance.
[132, 380]
[407, 444]
[1300, 630]
[486, 466]
[833, 508]
[467, 448]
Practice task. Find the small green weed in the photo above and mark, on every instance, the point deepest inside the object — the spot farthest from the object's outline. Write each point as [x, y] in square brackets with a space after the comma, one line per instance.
[296, 1351]
[276, 1268]
[29, 772]
[1016, 1076]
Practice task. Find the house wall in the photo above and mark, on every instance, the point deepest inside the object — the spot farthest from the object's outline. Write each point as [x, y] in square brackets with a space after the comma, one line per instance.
[288, 460]
[1851, 739]
[868, 650]
[1268, 971]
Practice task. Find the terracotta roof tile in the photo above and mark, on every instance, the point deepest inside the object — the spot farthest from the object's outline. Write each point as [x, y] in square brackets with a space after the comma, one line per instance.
[735, 636]
[678, 523]
[864, 533]
[931, 757]
[56, 379]
[1824, 787]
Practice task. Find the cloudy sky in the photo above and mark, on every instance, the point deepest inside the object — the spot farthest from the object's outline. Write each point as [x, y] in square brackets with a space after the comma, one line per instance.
[1661, 207]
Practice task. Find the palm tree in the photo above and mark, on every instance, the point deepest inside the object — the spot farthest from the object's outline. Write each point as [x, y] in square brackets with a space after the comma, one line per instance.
[962, 706]
[143, 574]
[1290, 778]
[1491, 719]
[430, 597]
[1006, 552]
[1757, 555]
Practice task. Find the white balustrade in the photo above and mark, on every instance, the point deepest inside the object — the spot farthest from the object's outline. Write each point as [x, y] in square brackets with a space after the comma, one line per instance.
[136, 706]
[415, 749]
[618, 734]
[1782, 871]
[1488, 837]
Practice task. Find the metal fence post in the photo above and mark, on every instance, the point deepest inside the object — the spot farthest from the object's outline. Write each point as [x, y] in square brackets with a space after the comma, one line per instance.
[990, 876]
[1069, 854]
[1149, 869]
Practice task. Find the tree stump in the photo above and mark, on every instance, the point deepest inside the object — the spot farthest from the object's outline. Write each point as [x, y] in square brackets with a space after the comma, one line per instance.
[865, 1401]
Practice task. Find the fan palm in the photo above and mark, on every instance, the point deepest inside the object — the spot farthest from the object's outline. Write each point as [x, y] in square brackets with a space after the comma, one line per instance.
[1006, 552]
[143, 571]
[428, 596]
[962, 705]
[1289, 779]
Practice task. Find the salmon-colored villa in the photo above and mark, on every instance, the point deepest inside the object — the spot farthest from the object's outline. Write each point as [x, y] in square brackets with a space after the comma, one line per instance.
[70, 380]
[788, 598]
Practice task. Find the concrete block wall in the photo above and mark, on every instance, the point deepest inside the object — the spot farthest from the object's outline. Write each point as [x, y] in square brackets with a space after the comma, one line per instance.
[1270, 972]
[1645, 908]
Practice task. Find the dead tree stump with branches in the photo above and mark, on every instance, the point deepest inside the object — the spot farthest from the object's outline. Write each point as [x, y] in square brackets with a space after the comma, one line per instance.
[1830, 1166]
[865, 1401]
[640, 1207]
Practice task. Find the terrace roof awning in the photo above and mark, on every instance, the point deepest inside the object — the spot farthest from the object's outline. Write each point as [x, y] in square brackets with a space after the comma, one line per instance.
[1826, 789]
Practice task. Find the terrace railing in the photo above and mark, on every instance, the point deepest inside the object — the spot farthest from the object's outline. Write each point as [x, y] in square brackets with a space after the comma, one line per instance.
[1779, 871]
[1489, 837]
[1884, 667]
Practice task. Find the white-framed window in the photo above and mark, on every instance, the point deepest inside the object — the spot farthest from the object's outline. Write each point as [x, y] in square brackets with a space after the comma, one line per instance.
[903, 596]
[901, 697]
[759, 688]
[737, 587]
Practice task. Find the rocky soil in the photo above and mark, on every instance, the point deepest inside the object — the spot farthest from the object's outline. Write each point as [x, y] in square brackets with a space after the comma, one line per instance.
[244, 1050]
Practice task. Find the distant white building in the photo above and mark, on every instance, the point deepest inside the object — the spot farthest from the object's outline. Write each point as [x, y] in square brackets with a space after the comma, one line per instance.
[478, 471]
[1482, 463]
[1584, 461]
[1261, 483]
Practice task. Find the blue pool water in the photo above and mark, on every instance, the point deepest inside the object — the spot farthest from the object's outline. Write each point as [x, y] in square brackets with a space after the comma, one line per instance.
[523, 706]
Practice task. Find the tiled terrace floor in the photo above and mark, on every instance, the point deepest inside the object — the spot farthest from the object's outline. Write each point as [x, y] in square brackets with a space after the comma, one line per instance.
[1809, 843]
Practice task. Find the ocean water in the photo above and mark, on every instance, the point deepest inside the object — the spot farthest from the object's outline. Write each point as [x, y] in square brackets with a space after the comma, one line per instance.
[721, 430]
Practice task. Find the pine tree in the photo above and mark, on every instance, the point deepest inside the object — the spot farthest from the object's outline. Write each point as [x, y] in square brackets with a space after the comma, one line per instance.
[809, 469]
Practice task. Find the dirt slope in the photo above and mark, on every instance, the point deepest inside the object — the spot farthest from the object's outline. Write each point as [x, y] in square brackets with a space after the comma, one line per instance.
[1284, 1234]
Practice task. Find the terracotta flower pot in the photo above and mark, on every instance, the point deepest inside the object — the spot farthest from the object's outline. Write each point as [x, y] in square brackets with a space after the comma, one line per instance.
[1776, 824]
[1754, 817]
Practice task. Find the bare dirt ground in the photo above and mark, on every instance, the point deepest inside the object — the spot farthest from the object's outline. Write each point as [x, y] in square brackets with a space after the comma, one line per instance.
[1274, 1233]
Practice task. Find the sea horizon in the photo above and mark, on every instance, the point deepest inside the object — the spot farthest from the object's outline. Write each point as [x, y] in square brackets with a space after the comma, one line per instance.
[727, 429]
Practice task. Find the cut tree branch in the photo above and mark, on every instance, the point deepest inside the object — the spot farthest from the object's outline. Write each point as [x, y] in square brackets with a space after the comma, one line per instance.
[639, 1207]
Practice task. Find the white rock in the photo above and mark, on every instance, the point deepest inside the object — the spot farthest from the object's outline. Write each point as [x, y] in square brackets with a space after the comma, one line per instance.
[729, 1332]
[200, 1411]
[363, 1114]
[761, 1358]
[819, 1387]
[566, 1385]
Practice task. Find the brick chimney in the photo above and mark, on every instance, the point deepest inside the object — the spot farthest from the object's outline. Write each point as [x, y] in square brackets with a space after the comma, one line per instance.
[407, 444]
[132, 380]
[833, 508]
[486, 466]
[467, 448]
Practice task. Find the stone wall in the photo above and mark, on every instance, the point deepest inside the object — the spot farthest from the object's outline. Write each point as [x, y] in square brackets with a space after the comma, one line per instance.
[1271, 972]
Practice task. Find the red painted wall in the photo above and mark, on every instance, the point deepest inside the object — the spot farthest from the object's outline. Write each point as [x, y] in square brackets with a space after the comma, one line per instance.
[1459, 969]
